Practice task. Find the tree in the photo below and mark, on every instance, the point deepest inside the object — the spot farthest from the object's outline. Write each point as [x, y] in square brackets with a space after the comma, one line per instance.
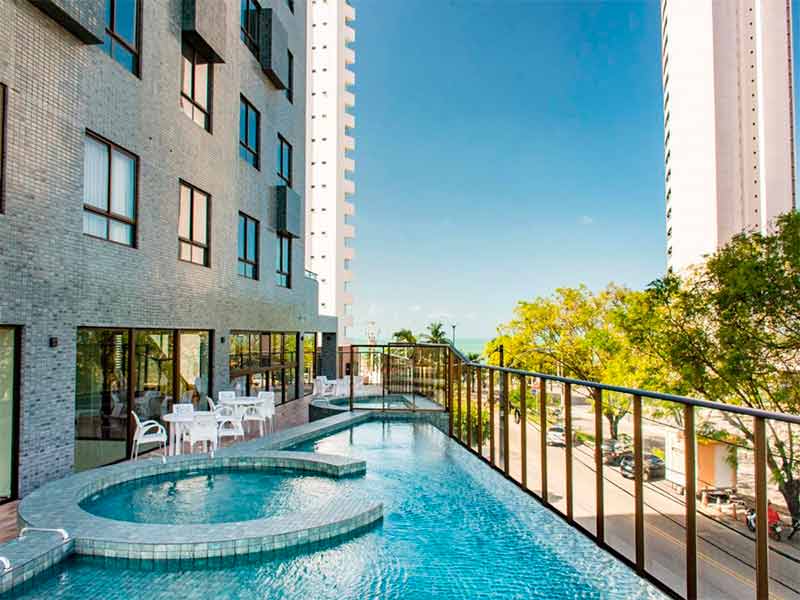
[435, 334]
[404, 336]
[577, 333]
[730, 330]
[473, 356]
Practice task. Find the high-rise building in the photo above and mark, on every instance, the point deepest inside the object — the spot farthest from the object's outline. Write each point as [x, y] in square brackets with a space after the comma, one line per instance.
[329, 184]
[152, 178]
[728, 121]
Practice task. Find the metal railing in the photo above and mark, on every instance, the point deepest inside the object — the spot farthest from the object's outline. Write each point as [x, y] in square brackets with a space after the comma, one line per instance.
[495, 411]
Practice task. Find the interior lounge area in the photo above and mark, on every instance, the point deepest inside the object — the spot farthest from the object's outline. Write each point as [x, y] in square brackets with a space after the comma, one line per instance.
[147, 371]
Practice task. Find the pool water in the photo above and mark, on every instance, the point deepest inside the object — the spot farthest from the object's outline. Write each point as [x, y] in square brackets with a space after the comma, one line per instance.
[211, 496]
[453, 528]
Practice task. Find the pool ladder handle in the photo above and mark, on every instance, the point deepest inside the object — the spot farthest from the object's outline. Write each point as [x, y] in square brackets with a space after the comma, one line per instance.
[62, 532]
[6, 564]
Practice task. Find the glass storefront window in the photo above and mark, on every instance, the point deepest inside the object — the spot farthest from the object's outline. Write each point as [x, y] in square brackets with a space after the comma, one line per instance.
[8, 371]
[155, 354]
[101, 397]
[194, 362]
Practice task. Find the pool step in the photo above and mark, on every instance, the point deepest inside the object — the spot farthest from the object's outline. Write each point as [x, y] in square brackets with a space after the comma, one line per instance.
[28, 556]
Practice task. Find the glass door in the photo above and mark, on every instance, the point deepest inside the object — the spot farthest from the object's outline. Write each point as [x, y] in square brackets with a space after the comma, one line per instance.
[8, 410]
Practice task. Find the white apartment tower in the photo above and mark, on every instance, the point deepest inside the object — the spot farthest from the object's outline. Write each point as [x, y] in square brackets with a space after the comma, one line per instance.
[728, 121]
[329, 131]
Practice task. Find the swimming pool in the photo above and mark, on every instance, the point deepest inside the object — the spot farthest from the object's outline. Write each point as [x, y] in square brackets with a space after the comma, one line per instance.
[452, 528]
[204, 496]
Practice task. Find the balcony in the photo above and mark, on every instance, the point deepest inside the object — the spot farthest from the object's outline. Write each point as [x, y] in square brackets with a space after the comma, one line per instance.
[349, 143]
[349, 165]
[349, 77]
[349, 13]
[349, 120]
[349, 34]
[84, 19]
[645, 504]
[349, 56]
[349, 231]
[349, 98]
[349, 187]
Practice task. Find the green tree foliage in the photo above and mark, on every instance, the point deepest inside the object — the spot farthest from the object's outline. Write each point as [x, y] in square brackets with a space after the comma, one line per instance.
[577, 333]
[730, 331]
[405, 336]
[435, 334]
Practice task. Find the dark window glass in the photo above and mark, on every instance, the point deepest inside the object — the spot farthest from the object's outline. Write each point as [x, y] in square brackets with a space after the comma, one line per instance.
[109, 191]
[249, 132]
[283, 261]
[290, 87]
[122, 33]
[284, 163]
[193, 380]
[249, 24]
[248, 247]
[8, 411]
[101, 397]
[196, 76]
[193, 225]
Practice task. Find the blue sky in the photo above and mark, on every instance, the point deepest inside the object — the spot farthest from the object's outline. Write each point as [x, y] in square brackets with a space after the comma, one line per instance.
[504, 148]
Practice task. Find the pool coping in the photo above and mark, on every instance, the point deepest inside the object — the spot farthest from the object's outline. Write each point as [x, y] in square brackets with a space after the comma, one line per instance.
[56, 505]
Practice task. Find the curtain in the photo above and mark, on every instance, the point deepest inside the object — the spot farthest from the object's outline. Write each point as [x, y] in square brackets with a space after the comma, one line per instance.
[95, 174]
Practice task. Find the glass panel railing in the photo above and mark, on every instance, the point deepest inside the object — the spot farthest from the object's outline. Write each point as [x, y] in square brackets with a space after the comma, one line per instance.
[556, 441]
[618, 473]
[664, 489]
[584, 473]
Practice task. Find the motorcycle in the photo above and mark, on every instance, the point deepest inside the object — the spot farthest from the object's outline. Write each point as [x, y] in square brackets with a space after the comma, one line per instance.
[775, 529]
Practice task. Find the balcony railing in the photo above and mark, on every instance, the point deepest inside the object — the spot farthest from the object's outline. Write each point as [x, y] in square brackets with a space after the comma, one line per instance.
[660, 481]
[253, 361]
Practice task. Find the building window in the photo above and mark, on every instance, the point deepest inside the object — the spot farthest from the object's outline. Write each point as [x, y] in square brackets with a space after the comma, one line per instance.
[9, 415]
[249, 132]
[196, 76]
[290, 87]
[248, 247]
[284, 165]
[347, 264]
[122, 33]
[193, 225]
[249, 24]
[109, 194]
[283, 261]
[2, 145]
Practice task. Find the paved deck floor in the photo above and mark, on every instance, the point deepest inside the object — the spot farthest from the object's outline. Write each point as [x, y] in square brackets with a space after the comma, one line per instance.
[288, 415]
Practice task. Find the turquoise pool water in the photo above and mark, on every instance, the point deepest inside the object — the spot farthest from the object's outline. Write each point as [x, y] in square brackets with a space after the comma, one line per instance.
[452, 529]
[211, 496]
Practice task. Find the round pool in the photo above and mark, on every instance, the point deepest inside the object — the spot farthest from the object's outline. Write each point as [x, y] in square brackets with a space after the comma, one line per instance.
[214, 495]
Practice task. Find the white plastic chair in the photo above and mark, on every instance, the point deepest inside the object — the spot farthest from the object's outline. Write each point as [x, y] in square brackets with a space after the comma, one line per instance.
[203, 429]
[229, 426]
[148, 432]
[324, 386]
[262, 412]
[211, 406]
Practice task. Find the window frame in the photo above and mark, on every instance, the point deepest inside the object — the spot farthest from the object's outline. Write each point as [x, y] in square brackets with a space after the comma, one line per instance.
[290, 86]
[108, 214]
[282, 144]
[117, 39]
[207, 111]
[247, 36]
[255, 151]
[242, 258]
[283, 278]
[207, 246]
[3, 144]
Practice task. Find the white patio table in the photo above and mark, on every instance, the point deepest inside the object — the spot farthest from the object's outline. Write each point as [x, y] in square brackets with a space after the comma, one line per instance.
[176, 423]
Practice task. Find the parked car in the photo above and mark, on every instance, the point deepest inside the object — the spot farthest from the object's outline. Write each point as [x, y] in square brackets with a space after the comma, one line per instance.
[613, 451]
[653, 468]
[555, 436]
